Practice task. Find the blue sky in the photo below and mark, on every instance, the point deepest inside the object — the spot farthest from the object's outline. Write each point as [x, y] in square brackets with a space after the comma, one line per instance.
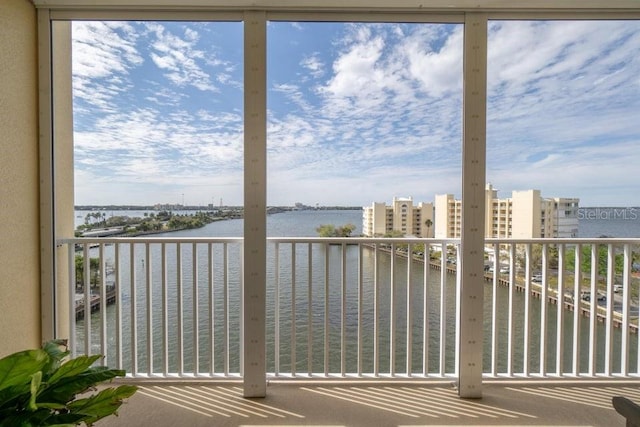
[356, 112]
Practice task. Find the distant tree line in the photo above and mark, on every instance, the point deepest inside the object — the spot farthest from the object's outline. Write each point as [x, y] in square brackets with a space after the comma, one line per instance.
[152, 222]
[330, 230]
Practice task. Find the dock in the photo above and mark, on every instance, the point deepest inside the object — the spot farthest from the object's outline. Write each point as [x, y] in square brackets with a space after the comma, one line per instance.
[536, 291]
[95, 303]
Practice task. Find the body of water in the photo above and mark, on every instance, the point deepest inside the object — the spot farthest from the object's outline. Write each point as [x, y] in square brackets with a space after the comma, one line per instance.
[306, 301]
[593, 222]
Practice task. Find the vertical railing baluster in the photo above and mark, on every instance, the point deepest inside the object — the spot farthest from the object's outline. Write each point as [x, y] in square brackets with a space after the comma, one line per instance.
[376, 312]
[392, 312]
[637, 308]
[326, 309]
[526, 363]
[593, 310]
[293, 309]
[494, 310]
[409, 311]
[343, 310]
[165, 310]
[71, 265]
[242, 308]
[227, 314]
[626, 304]
[212, 310]
[134, 311]
[103, 306]
[276, 322]
[196, 314]
[310, 311]
[360, 306]
[577, 305]
[543, 309]
[87, 299]
[443, 308]
[608, 355]
[510, 322]
[560, 313]
[149, 292]
[118, 284]
[425, 310]
[180, 309]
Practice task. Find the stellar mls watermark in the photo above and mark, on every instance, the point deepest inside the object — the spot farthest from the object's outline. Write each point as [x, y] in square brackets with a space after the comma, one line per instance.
[628, 214]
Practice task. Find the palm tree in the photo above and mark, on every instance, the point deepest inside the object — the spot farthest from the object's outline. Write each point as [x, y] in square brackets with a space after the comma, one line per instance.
[428, 223]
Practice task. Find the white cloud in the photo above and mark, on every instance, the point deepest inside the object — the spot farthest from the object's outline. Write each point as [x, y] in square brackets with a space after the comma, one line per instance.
[438, 70]
[357, 72]
[179, 58]
[314, 64]
[102, 51]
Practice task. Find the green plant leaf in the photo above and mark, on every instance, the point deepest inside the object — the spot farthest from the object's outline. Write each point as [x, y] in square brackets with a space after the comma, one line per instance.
[38, 389]
[17, 368]
[36, 380]
[54, 349]
[104, 403]
[72, 368]
[47, 405]
[66, 388]
[40, 417]
[12, 396]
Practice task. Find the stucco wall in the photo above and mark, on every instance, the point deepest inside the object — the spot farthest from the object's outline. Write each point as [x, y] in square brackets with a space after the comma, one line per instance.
[19, 221]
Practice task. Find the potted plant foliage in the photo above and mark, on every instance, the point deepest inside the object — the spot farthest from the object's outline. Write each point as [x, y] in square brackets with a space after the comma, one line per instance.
[40, 388]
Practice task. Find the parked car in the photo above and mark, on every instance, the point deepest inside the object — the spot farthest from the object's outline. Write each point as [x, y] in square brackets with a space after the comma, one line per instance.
[617, 288]
[537, 278]
[586, 296]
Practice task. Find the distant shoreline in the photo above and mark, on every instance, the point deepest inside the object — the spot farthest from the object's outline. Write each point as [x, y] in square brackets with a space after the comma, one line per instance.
[108, 231]
[284, 208]
[270, 209]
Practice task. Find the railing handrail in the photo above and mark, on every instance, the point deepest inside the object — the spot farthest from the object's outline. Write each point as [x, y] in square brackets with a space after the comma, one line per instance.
[353, 240]
[108, 240]
[565, 240]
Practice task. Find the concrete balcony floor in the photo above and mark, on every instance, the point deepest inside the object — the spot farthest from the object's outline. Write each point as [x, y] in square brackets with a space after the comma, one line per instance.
[530, 403]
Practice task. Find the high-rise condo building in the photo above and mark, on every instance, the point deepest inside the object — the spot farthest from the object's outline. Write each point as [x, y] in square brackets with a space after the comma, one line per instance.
[402, 217]
[525, 215]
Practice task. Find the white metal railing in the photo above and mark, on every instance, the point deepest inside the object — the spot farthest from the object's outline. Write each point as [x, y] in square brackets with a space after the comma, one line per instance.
[588, 325]
[357, 307]
[169, 294]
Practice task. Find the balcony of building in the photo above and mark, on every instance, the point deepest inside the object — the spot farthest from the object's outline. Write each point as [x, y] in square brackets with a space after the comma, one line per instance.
[172, 322]
[352, 345]
[379, 404]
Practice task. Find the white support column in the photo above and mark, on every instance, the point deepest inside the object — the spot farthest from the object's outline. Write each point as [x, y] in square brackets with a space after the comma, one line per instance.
[63, 164]
[470, 297]
[255, 203]
[47, 239]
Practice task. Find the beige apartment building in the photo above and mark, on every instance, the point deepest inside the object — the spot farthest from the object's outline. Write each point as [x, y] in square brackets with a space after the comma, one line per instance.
[401, 216]
[526, 214]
